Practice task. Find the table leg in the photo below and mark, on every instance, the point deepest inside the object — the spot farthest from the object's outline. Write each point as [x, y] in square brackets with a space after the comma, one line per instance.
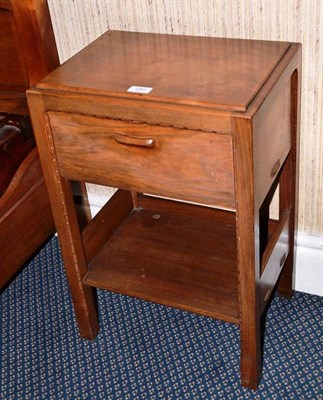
[289, 187]
[248, 249]
[66, 222]
[76, 265]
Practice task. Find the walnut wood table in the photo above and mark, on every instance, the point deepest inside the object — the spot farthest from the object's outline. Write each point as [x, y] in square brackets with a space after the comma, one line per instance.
[202, 120]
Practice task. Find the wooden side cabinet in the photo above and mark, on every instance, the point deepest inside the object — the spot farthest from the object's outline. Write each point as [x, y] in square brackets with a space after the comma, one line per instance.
[201, 120]
[27, 54]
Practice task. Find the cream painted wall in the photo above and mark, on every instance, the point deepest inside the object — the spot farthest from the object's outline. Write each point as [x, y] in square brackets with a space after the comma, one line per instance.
[78, 22]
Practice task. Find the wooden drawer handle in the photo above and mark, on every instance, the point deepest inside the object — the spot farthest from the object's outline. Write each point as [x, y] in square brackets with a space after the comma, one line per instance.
[134, 141]
[275, 168]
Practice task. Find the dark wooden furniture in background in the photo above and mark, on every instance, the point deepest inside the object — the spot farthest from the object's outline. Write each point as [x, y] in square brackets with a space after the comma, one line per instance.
[28, 53]
[220, 128]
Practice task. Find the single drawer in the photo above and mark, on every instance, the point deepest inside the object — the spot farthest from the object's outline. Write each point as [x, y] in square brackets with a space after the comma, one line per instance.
[184, 164]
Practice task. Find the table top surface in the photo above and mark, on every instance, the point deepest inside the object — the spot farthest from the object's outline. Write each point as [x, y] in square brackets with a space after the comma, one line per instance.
[210, 72]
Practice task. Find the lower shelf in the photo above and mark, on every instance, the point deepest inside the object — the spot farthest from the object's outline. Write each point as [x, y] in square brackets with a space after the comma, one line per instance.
[174, 254]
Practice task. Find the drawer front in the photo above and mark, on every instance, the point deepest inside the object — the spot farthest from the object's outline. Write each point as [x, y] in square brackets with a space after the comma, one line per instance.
[185, 164]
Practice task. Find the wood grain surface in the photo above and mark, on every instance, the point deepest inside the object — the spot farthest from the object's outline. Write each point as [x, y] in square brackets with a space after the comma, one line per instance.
[165, 251]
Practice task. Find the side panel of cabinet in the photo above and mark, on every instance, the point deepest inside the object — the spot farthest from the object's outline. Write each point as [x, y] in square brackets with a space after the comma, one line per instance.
[272, 137]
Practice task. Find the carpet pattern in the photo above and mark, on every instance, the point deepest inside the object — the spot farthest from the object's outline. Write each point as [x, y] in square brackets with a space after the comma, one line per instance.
[145, 351]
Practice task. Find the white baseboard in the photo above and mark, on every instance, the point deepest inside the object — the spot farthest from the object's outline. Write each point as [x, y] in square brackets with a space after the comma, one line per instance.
[98, 200]
[309, 263]
[309, 253]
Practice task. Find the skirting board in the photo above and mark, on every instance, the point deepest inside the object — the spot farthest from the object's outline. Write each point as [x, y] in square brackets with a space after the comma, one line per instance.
[309, 263]
[308, 276]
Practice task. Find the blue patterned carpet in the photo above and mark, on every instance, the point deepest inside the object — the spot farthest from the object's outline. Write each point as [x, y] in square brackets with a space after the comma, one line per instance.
[145, 351]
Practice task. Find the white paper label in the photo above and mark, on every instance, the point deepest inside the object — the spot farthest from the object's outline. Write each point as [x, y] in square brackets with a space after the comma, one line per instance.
[140, 89]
